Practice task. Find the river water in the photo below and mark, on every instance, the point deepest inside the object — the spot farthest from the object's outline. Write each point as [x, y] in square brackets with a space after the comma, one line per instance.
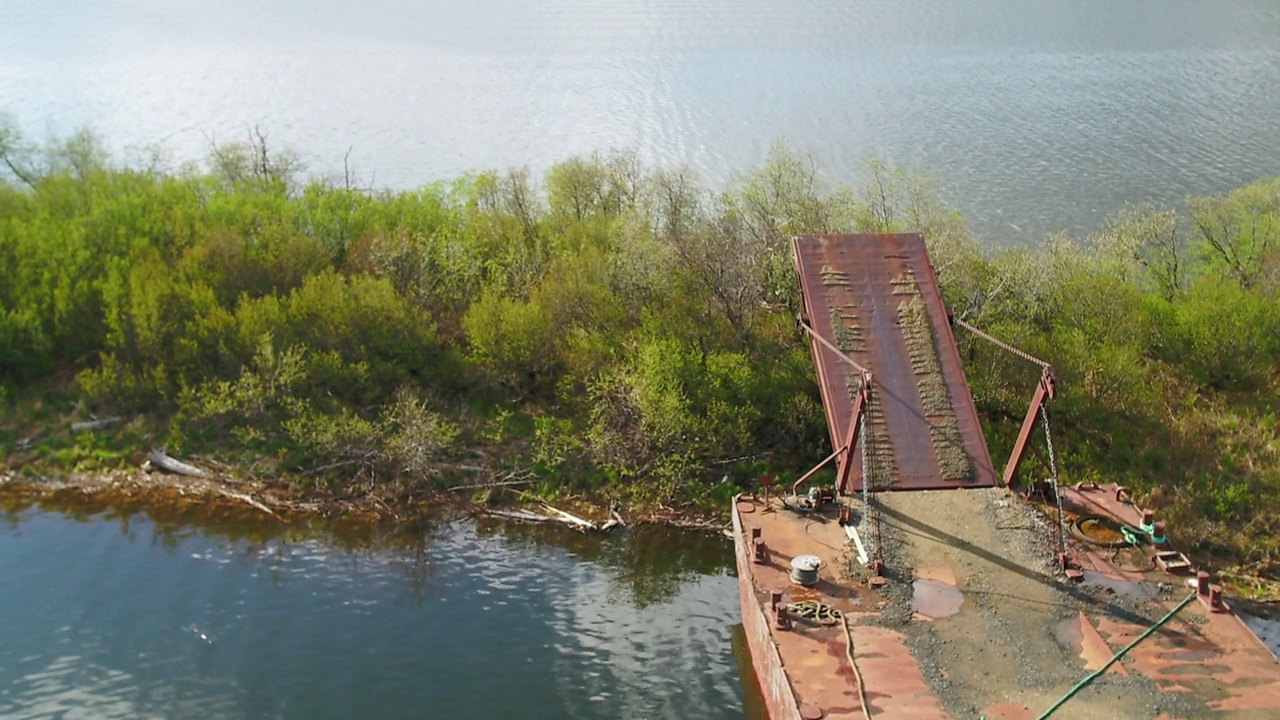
[117, 615]
[1034, 115]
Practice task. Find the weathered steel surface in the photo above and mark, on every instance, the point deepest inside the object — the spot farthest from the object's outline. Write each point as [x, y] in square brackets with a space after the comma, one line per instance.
[848, 286]
[1212, 656]
[809, 664]
[1212, 659]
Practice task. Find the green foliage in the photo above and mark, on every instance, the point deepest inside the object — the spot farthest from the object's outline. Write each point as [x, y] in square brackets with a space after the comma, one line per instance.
[512, 339]
[1239, 233]
[608, 323]
[1226, 336]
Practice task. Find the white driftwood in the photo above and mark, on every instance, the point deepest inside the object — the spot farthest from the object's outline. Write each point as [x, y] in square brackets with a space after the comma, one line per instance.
[618, 518]
[571, 518]
[164, 462]
[91, 425]
[245, 498]
[521, 515]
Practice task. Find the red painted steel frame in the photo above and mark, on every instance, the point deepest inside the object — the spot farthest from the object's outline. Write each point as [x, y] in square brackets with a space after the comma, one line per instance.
[851, 439]
[1045, 391]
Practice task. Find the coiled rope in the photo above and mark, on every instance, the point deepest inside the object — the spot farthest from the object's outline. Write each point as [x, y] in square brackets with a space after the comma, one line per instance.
[814, 610]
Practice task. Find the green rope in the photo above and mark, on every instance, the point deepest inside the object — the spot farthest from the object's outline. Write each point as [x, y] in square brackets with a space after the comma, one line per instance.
[1115, 658]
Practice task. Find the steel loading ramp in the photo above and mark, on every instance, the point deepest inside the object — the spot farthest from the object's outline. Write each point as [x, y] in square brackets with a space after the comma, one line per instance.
[875, 300]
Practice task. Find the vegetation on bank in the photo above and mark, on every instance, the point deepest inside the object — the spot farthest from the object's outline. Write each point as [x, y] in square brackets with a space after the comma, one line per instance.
[606, 327]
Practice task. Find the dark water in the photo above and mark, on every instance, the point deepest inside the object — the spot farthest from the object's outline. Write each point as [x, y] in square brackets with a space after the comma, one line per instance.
[104, 616]
[1035, 115]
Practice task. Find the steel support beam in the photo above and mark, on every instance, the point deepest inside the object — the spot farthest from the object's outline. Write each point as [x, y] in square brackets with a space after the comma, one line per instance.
[1045, 391]
[851, 438]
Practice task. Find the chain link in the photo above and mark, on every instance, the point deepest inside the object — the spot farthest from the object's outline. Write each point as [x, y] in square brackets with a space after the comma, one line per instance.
[866, 485]
[998, 343]
[1053, 471]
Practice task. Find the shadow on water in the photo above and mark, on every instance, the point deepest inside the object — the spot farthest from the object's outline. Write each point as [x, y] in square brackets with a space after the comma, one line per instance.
[647, 564]
[753, 698]
[246, 615]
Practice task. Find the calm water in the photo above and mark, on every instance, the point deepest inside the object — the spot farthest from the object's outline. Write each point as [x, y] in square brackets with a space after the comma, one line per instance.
[110, 617]
[1035, 115]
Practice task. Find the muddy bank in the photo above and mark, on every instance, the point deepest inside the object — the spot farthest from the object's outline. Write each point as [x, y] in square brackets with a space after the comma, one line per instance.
[223, 498]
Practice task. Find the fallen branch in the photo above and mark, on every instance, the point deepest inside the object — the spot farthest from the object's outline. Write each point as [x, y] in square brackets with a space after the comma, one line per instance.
[676, 522]
[520, 515]
[617, 517]
[158, 459]
[92, 425]
[245, 498]
[475, 486]
[730, 461]
[572, 519]
[334, 466]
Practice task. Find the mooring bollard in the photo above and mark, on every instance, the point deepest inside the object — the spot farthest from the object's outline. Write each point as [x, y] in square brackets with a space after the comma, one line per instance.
[781, 619]
[1215, 598]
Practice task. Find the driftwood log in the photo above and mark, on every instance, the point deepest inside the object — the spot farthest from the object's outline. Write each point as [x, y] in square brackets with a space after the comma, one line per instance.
[570, 518]
[552, 514]
[92, 425]
[159, 459]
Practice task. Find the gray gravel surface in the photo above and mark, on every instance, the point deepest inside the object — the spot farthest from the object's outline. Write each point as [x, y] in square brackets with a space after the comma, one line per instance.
[1004, 645]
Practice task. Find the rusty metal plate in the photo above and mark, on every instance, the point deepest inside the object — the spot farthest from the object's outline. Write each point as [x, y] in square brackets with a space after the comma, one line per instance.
[876, 298]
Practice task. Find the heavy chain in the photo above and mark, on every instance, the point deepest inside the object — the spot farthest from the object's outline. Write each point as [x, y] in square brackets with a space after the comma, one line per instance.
[1053, 472]
[866, 484]
[998, 343]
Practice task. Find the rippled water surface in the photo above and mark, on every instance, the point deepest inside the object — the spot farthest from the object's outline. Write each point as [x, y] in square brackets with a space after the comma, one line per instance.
[105, 617]
[1035, 115]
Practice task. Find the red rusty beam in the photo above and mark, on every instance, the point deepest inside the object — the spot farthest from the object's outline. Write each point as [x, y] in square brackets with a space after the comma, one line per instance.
[795, 489]
[851, 438]
[1045, 391]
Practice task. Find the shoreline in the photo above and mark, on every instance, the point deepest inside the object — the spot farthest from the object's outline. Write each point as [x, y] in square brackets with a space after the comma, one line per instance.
[218, 499]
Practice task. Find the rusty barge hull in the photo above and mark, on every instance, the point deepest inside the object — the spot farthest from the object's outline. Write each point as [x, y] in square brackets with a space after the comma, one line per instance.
[778, 697]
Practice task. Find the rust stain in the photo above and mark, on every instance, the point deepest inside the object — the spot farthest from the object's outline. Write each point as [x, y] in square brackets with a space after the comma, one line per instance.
[1207, 654]
[1094, 650]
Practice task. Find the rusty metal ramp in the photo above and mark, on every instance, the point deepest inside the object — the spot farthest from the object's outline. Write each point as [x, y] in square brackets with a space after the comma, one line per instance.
[875, 301]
